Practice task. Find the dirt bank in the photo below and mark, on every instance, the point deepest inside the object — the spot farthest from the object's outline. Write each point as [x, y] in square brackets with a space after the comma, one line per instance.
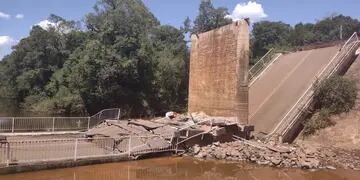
[345, 134]
[342, 139]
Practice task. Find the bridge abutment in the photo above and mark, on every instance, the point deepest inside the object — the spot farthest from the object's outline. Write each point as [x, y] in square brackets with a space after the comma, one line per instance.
[219, 72]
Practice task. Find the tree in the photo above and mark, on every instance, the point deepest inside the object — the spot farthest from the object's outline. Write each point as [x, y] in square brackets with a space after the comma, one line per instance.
[129, 61]
[32, 63]
[328, 29]
[125, 59]
[29, 68]
[267, 35]
[209, 17]
[171, 69]
[336, 94]
[187, 27]
[302, 34]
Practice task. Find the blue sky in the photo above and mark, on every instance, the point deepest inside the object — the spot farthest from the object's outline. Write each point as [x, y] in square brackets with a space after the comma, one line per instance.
[17, 16]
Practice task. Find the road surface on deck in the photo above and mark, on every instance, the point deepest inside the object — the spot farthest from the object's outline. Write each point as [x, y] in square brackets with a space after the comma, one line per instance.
[282, 84]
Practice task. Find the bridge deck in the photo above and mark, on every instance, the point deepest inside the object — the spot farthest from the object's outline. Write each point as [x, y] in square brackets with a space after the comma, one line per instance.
[278, 89]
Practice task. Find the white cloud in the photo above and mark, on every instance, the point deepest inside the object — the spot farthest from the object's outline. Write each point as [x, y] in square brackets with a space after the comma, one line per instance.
[5, 45]
[4, 15]
[46, 24]
[6, 40]
[19, 16]
[251, 10]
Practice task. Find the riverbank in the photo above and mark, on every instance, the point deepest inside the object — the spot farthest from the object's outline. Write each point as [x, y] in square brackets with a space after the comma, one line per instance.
[279, 155]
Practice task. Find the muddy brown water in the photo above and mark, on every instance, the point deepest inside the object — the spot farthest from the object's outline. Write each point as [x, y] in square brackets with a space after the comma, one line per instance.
[181, 168]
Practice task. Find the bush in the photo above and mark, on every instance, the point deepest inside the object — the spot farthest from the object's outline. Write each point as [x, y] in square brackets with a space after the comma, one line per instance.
[332, 96]
[319, 120]
[337, 94]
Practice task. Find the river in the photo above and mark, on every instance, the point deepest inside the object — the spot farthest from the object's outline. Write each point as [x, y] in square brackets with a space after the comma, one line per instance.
[181, 168]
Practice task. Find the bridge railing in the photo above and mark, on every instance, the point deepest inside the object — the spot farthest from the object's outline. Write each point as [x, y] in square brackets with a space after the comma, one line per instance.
[114, 113]
[52, 124]
[259, 66]
[46, 150]
[340, 58]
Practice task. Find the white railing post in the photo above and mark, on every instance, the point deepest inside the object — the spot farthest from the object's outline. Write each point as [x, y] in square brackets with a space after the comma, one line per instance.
[251, 75]
[75, 149]
[7, 154]
[260, 63]
[177, 144]
[119, 113]
[13, 125]
[53, 124]
[88, 124]
[129, 147]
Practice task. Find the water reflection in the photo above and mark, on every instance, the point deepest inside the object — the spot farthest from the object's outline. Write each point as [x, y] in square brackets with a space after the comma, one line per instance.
[179, 168]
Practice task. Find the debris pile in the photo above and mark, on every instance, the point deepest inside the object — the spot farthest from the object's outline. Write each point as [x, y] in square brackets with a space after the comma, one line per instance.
[263, 154]
[277, 155]
[184, 130]
[348, 159]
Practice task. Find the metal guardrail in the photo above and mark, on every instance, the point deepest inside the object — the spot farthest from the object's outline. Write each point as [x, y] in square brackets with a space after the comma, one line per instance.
[259, 66]
[52, 124]
[47, 150]
[305, 100]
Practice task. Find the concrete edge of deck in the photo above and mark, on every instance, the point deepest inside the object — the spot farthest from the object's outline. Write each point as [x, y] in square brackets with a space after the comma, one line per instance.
[42, 133]
[27, 167]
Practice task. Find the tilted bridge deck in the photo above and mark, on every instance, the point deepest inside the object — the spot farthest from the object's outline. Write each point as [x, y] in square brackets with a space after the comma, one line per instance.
[284, 82]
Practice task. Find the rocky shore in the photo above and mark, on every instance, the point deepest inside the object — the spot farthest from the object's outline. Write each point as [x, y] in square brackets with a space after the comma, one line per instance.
[278, 155]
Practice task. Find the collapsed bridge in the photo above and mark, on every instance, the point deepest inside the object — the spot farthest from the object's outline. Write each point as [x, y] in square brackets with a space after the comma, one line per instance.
[281, 94]
[106, 137]
[274, 94]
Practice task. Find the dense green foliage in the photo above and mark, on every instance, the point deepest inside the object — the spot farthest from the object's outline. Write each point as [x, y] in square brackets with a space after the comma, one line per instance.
[124, 58]
[267, 35]
[319, 120]
[209, 18]
[337, 94]
[121, 56]
[278, 35]
[332, 96]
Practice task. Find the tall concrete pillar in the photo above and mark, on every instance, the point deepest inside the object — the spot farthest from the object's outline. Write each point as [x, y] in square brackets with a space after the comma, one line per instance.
[219, 72]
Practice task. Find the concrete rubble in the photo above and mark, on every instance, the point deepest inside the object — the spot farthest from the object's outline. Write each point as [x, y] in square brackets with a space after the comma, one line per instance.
[277, 155]
[209, 137]
[183, 130]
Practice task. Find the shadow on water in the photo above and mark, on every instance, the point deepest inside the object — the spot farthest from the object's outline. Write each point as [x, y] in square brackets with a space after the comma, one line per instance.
[180, 168]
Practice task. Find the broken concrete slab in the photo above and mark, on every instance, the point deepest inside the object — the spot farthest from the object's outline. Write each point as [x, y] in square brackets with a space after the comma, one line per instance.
[165, 130]
[147, 135]
[148, 125]
[132, 129]
[107, 131]
[180, 118]
[218, 131]
[157, 143]
[142, 144]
